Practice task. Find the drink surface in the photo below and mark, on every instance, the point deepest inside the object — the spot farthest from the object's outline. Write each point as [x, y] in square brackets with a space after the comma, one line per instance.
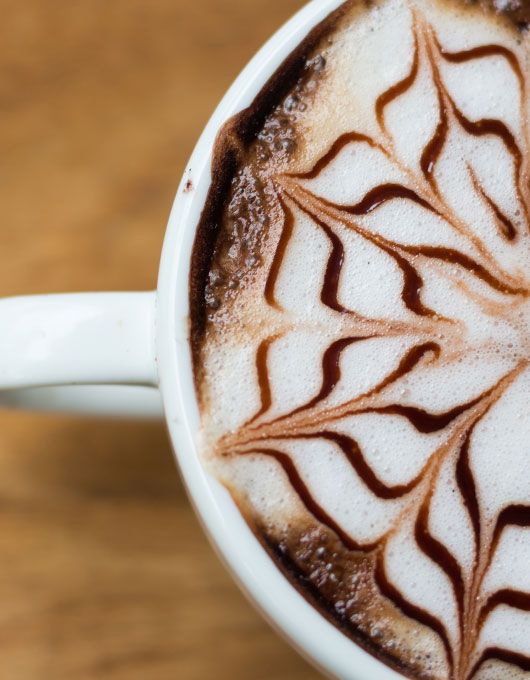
[360, 299]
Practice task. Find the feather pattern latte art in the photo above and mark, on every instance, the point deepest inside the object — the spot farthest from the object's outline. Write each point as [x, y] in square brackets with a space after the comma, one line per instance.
[362, 340]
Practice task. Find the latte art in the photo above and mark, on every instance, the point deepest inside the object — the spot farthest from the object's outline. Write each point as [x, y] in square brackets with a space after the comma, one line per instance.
[361, 330]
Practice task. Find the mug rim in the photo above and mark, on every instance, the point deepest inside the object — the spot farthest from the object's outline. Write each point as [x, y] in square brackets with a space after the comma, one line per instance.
[323, 644]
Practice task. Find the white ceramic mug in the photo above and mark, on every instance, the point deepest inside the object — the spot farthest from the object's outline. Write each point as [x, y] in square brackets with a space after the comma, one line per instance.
[128, 353]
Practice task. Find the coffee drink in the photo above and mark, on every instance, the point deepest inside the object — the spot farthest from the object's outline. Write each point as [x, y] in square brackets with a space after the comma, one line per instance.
[360, 296]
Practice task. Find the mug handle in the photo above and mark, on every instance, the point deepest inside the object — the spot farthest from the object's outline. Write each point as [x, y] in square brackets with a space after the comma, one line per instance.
[90, 353]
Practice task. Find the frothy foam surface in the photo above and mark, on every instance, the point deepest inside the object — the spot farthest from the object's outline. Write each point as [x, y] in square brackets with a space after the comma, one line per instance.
[363, 366]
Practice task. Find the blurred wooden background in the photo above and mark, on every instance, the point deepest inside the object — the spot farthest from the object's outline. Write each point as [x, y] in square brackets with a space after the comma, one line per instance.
[104, 571]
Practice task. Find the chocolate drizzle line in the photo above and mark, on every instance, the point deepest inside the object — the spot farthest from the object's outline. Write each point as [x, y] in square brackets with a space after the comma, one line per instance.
[262, 357]
[381, 195]
[505, 225]
[412, 284]
[488, 126]
[440, 555]
[412, 281]
[507, 598]
[451, 256]
[495, 128]
[279, 256]
[330, 287]
[468, 490]
[353, 454]
[482, 52]
[413, 611]
[434, 148]
[503, 655]
[307, 499]
[513, 515]
[330, 370]
[398, 89]
[339, 145]
[409, 362]
[423, 421]
[332, 375]
[428, 423]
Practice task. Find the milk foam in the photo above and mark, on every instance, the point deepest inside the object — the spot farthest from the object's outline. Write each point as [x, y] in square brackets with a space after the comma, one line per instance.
[455, 346]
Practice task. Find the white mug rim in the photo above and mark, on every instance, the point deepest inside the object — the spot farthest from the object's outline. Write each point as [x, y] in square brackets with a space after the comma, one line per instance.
[310, 632]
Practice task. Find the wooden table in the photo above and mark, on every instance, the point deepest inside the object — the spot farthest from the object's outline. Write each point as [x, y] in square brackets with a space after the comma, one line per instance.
[104, 571]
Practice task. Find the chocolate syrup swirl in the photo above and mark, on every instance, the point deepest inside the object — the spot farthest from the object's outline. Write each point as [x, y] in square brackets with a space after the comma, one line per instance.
[332, 375]
[508, 598]
[450, 256]
[432, 338]
[337, 147]
[398, 89]
[421, 420]
[440, 555]
[412, 284]
[490, 126]
[468, 490]
[330, 287]
[354, 455]
[495, 128]
[483, 52]
[506, 227]
[279, 255]
[262, 368]
[413, 611]
[513, 515]
[330, 370]
[381, 195]
[412, 280]
[432, 152]
[504, 655]
[408, 363]
[307, 499]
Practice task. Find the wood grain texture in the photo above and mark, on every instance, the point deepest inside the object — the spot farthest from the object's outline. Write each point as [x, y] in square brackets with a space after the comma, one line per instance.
[104, 571]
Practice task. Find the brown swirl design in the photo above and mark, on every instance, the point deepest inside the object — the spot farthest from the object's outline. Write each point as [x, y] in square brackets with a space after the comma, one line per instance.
[264, 435]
